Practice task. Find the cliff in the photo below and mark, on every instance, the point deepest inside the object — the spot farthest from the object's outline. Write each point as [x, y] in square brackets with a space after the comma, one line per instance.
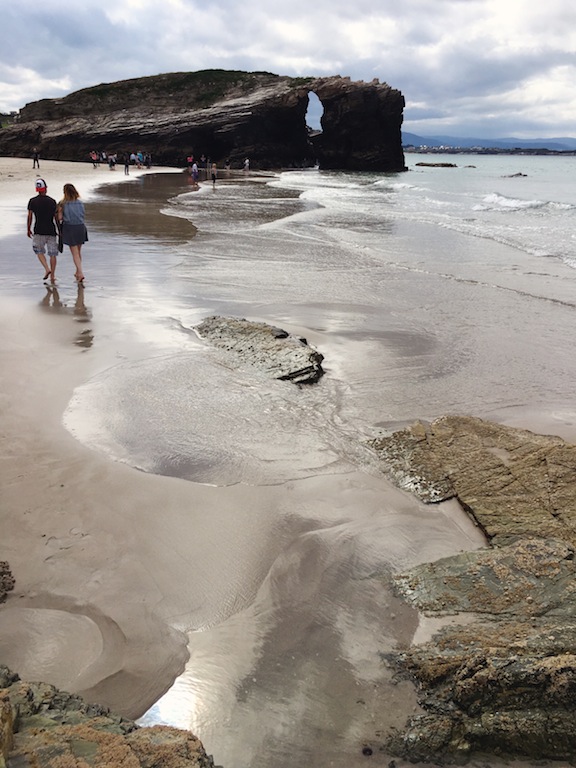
[223, 115]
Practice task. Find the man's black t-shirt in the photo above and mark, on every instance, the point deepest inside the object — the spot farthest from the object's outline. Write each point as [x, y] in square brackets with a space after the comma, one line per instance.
[44, 210]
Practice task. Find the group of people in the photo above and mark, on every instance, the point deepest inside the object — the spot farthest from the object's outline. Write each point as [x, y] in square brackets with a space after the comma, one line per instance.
[194, 167]
[53, 225]
[137, 159]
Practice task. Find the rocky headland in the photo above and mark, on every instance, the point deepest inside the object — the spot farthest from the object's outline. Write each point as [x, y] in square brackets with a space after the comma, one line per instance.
[224, 115]
[502, 680]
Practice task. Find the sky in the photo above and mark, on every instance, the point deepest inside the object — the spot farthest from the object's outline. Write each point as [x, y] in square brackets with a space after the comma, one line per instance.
[480, 68]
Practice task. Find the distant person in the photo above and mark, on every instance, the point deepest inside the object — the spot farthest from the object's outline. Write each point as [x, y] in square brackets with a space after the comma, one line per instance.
[35, 158]
[247, 165]
[126, 161]
[72, 216]
[195, 174]
[42, 209]
[214, 173]
[95, 157]
[227, 165]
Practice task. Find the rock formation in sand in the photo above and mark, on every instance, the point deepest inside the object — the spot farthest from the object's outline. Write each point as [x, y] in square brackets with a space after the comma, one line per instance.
[265, 347]
[6, 580]
[225, 115]
[43, 727]
[504, 683]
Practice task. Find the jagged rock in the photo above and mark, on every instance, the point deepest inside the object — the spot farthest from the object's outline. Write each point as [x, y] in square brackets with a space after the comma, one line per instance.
[42, 727]
[223, 114]
[269, 349]
[6, 580]
[504, 683]
[505, 688]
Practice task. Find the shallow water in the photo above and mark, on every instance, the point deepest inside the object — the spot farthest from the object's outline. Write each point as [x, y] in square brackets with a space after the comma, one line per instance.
[430, 292]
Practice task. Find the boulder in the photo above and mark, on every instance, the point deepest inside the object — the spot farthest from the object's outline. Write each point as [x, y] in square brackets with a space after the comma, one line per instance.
[269, 349]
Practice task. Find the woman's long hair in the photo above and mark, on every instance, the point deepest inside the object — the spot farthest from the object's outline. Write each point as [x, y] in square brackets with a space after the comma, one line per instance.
[70, 193]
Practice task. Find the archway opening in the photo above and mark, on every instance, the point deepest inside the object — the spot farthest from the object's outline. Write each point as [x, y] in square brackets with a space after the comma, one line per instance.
[314, 113]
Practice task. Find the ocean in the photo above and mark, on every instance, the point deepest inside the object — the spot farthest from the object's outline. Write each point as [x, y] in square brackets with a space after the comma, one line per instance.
[434, 291]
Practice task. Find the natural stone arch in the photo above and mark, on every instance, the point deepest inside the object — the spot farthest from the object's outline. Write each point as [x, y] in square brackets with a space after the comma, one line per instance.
[361, 125]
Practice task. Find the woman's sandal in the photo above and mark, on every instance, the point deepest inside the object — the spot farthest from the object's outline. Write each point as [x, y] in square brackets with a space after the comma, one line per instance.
[47, 275]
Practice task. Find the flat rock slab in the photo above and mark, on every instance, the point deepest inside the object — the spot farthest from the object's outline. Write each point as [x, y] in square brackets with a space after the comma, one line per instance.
[269, 349]
[512, 481]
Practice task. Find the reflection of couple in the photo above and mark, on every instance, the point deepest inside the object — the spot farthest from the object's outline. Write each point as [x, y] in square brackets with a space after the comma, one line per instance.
[52, 303]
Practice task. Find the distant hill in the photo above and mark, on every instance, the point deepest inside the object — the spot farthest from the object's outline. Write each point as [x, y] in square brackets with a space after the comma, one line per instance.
[559, 144]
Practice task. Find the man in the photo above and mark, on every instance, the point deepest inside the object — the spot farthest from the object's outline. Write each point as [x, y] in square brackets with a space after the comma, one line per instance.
[43, 209]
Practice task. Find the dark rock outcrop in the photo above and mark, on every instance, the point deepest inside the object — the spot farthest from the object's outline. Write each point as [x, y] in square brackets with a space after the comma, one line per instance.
[503, 683]
[269, 349]
[6, 580]
[222, 114]
[41, 726]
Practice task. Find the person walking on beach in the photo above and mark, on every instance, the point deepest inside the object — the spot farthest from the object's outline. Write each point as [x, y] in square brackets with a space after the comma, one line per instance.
[35, 158]
[214, 174]
[42, 209]
[72, 216]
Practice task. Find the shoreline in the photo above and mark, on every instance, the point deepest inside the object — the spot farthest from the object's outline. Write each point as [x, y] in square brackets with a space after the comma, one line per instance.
[62, 534]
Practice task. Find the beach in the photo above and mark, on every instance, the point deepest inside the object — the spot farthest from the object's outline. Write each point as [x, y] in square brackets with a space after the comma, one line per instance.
[265, 583]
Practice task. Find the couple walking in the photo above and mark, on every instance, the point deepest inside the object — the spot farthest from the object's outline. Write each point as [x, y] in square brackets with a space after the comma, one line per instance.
[67, 218]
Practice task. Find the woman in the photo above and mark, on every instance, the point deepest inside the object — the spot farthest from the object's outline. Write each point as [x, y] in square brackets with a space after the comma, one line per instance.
[74, 234]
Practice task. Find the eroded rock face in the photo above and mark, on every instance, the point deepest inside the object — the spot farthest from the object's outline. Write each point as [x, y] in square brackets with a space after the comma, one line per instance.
[271, 350]
[41, 726]
[505, 682]
[222, 114]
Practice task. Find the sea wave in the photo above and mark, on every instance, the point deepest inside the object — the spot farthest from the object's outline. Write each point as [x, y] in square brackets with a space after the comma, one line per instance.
[495, 201]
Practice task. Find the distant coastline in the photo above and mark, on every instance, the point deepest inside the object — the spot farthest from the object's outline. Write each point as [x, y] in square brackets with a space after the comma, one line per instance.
[425, 150]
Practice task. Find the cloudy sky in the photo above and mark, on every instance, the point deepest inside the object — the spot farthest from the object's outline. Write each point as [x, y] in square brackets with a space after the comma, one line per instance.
[486, 68]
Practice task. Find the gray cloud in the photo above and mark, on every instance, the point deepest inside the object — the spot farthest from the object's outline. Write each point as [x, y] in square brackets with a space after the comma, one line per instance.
[504, 68]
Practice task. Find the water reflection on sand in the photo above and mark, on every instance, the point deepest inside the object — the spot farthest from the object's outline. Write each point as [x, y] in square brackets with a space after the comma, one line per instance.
[52, 303]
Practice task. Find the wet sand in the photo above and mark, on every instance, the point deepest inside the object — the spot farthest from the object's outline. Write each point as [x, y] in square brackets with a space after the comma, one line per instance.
[270, 596]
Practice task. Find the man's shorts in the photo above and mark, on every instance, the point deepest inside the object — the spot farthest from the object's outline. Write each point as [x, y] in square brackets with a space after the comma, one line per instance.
[45, 243]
